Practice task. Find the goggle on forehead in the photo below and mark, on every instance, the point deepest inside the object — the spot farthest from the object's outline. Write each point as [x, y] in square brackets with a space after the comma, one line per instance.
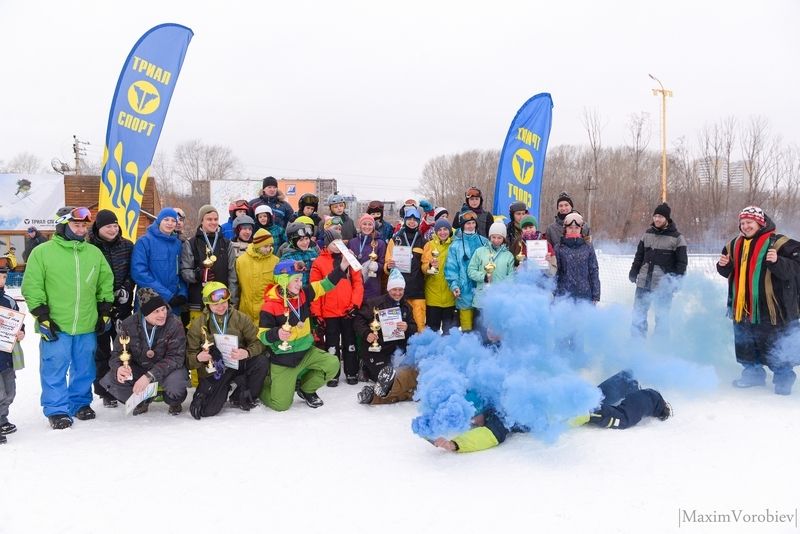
[76, 215]
[219, 295]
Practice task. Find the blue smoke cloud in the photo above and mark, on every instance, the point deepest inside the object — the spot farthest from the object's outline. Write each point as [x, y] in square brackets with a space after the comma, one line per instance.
[554, 352]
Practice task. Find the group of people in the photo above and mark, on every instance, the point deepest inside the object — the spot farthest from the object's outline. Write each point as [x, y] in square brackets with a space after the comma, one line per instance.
[269, 304]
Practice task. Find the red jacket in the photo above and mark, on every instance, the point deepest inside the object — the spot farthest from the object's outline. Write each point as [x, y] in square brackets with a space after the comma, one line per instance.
[348, 293]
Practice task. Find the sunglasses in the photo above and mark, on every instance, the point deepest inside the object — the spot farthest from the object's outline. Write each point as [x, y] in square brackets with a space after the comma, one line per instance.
[77, 215]
[219, 295]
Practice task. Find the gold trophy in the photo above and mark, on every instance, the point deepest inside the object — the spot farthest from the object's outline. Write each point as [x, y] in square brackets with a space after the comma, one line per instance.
[210, 258]
[373, 256]
[125, 356]
[286, 327]
[489, 268]
[375, 326]
[521, 256]
[434, 269]
[210, 369]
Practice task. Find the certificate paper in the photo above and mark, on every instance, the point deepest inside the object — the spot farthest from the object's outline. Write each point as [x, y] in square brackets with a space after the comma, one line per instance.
[389, 319]
[402, 258]
[137, 398]
[348, 254]
[537, 251]
[10, 323]
[226, 344]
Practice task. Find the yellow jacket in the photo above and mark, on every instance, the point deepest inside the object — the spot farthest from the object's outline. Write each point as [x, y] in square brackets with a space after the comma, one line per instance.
[254, 271]
[437, 291]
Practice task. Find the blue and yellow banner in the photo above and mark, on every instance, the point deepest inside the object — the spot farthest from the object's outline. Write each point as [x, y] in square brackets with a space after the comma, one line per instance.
[521, 167]
[138, 110]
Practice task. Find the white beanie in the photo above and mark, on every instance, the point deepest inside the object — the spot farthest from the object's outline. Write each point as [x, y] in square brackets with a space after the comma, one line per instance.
[497, 228]
[395, 280]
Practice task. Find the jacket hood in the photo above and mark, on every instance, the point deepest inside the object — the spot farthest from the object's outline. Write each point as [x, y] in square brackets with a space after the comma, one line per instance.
[155, 232]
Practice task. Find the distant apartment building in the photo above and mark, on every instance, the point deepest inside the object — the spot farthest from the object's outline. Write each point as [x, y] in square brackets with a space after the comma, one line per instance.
[708, 169]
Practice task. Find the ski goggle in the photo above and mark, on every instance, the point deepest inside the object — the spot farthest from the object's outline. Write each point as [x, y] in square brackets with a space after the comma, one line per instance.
[304, 232]
[181, 216]
[219, 295]
[76, 215]
[574, 223]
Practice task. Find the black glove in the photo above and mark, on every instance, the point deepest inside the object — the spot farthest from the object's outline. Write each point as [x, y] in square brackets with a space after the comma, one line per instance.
[632, 276]
[47, 328]
[103, 318]
[177, 301]
[122, 296]
[216, 355]
[196, 407]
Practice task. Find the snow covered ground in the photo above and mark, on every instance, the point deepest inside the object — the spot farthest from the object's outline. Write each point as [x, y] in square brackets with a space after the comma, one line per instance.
[351, 468]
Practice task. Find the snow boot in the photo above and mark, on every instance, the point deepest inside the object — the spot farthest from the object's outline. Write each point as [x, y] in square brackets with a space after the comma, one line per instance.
[7, 428]
[385, 380]
[366, 395]
[60, 421]
[312, 399]
[783, 379]
[352, 380]
[662, 410]
[753, 375]
[333, 383]
[3, 439]
[141, 408]
[175, 409]
[85, 414]
[109, 403]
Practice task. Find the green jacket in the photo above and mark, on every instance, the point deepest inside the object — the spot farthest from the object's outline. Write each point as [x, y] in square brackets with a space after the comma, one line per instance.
[70, 278]
[239, 325]
[504, 268]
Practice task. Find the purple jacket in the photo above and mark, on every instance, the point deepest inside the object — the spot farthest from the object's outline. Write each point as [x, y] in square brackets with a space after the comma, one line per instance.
[361, 246]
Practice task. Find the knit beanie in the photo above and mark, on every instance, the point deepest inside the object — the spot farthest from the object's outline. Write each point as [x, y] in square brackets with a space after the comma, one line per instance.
[395, 280]
[527, 221]
[262, 238]
[149, 301]
[439, 213]
[329, 236]
[497, 228]
[517, 206]
[269, 181]
[442, 223]
[664, 210]
[105, 217]
[564, 196]
[205, 210]
[164, 213]
[755, 213]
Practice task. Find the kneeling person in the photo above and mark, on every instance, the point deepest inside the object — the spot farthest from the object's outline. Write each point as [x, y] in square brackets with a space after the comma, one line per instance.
[158, 351]
[247, 366]
[285, 328]
[391, 385]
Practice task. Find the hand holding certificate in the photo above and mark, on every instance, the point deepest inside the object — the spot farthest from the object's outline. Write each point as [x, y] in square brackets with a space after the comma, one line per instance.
[389, 319]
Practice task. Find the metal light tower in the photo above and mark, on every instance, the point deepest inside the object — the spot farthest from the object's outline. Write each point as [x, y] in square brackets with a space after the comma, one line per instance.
[664, 94]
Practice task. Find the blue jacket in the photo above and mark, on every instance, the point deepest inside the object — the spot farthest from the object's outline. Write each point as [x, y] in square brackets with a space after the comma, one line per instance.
[455, 269]
[578, 275]
[227, 229]
[155, 263]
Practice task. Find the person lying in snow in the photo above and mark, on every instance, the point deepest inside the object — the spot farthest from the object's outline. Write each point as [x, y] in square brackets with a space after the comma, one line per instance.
[623, 406]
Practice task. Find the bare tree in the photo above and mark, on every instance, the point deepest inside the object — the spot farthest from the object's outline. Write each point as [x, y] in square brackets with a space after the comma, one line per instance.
[592, 123]
[195, 161]
[445, 179]
[758, 152]
[24, 163]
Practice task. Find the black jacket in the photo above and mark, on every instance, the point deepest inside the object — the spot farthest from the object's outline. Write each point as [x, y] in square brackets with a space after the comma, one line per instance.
[118, 255]
[366, 315]
[169, 346]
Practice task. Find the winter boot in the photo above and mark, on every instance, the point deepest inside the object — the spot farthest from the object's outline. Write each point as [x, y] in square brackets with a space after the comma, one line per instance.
[3, 439]
[141, 408]
[783, 379]
[60, 421]
[85, 414]
[312, 399]
[752, 375]
[385, 380]
[352, 380]
[366, 395]
[175, 409]
[662, 410]
[7, 428]
[109, 403]
[333, 383]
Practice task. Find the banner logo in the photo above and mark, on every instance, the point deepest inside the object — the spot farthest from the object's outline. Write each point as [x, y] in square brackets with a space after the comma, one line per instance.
[143, 97]
[522, 165]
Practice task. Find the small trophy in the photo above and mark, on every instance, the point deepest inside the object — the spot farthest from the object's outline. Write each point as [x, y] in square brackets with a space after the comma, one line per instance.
[125, 356]
[210, 369]
[210, 258]
[489, 268]
[286, 327]
[521, 256]
[375, 326]
[373, 256]
[434, 269]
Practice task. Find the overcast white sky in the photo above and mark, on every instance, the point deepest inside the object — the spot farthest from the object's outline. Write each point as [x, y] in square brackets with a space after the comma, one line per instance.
[367, 92]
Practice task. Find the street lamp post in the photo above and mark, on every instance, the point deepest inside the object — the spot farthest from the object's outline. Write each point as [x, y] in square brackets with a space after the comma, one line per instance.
[664, 94]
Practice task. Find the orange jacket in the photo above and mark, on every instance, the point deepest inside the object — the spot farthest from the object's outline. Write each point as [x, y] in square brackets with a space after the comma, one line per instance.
[348, 293]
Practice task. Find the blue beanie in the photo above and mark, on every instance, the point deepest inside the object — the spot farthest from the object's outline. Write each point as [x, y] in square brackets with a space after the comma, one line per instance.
[442, 223]
[164, 213]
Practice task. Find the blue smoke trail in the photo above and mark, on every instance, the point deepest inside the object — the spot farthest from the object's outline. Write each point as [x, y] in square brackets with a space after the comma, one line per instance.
[554, 352]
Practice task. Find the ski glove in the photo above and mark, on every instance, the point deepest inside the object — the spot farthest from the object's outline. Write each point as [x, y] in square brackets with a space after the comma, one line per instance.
[103, 318]
[632, 277]
[122, 295]
[47, 328]
[177, 301]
